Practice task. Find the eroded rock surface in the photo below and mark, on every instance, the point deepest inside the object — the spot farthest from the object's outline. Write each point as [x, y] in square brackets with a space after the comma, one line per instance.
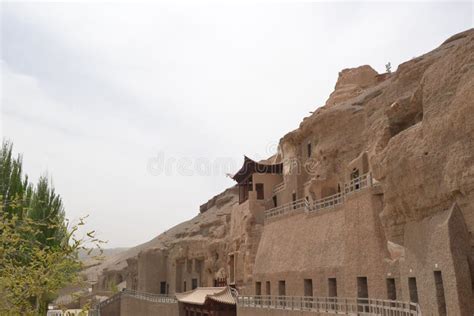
[412, 129]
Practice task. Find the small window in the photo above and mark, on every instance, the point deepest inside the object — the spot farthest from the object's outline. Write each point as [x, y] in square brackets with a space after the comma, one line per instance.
[362, 288]
[309, 149]
[391, 289]
[194, 284]
[440, 298]
[232, 268]
[308, 293]
[308, 287]
[259, 188]
[362, 295]
[275, 201]
[412, 288]
[162, 287]
[282, 288]
[282, 292]
[184, 286]
[332, 287]
[268, 288]
[258, 288]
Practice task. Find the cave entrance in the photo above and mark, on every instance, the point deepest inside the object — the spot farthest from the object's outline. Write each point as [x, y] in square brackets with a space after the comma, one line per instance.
[232, 268]
[308, 292]
[413, 289]
[362, 294]
[440, 298]
[391, 289]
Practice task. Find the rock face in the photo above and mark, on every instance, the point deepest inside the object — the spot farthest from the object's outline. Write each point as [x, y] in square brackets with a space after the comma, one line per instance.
[351, 83]
[431, 128]
[406, 222]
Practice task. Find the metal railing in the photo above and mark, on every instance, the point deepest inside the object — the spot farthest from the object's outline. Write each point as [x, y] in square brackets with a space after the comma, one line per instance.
[279, 187]
[151, 297]
[354, 185]
[285, 208]
[358, 184]
[326, 202]
[67, 312]
[332, 305]
[110, 300]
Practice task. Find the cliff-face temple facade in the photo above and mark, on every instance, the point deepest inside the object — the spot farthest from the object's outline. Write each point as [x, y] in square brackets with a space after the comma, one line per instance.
[371, 197]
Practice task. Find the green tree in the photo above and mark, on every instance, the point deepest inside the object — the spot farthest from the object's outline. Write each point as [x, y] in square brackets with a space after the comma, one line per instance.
[31, 273]
[46, 209]
[38, 246]
[14, 186]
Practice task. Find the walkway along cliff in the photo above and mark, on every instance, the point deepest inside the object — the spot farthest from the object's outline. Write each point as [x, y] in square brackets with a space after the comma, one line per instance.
[369, 201]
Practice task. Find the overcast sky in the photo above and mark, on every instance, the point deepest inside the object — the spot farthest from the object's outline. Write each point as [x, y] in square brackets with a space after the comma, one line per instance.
[137, 111]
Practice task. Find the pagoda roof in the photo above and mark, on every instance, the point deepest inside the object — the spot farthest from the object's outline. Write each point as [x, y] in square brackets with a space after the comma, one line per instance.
[250, 167]
[201, 295]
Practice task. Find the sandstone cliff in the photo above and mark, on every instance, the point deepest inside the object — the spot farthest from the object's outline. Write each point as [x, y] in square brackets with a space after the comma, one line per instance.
[415, 127]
